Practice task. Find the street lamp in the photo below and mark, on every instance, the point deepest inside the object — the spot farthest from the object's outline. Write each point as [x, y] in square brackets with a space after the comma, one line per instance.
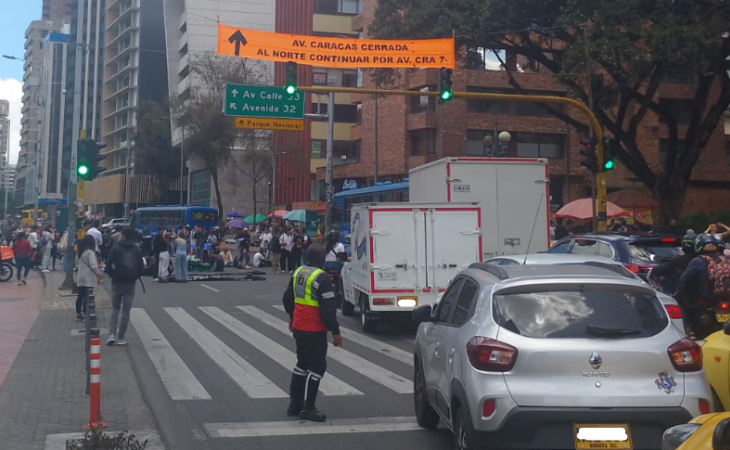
[494, 143]
[39, 148]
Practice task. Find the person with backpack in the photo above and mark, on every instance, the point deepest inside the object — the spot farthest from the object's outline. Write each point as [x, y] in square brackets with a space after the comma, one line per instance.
[275, 247]
[124, 265]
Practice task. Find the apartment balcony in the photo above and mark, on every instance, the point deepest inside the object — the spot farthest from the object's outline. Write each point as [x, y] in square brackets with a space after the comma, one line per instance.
[123, 109]
[127, 88]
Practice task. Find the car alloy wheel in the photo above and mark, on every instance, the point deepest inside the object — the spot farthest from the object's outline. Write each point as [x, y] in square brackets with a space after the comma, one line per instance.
[426, 416]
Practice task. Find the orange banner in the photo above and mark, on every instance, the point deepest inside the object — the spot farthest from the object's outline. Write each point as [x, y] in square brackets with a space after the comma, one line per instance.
[334, 51]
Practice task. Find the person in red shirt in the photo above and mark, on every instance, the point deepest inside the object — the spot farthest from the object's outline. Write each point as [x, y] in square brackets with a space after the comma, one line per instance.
[22, 250]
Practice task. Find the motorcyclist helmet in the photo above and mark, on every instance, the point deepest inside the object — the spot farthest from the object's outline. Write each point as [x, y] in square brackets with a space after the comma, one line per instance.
[688, 243]
[704, 243]
[333, 235]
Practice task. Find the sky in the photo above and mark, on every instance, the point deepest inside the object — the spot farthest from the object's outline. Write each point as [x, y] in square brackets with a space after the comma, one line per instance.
[15, 16]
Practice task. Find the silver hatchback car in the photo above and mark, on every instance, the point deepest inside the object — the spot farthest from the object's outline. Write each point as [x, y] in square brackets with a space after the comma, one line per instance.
[554, 357]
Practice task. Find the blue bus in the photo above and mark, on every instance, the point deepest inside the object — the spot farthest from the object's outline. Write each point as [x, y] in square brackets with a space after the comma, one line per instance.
[155, 217]
[382, 192]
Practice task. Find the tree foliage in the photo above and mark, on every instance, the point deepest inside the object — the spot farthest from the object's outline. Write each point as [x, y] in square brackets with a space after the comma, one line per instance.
[634, 46]
[153, 151]
[254, 162]
[209, 135]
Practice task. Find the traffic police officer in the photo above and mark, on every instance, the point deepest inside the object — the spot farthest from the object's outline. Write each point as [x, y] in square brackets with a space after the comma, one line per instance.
[309, 300]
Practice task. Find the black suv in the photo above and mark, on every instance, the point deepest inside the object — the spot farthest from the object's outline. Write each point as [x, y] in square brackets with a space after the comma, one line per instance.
[638, 252]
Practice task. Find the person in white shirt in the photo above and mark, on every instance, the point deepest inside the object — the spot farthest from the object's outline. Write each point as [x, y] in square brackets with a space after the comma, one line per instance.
[265, 239]
[333, 248]
[287, 243]
[47, 240]
[33, 238]
[259, 260]
[92, 228]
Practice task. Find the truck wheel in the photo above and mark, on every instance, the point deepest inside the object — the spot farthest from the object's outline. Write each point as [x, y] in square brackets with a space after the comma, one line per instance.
[348, 308]
[369, 323]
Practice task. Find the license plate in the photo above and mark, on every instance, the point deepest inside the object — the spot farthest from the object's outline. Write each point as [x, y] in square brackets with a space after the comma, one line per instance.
[722, 318]
[602, 436]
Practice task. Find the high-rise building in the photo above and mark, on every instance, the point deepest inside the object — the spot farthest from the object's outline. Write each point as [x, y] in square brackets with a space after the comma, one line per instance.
[56, 9]
[4, 140]
[294, 150]
[135, 71]
[36, 78]
[191, 28]
[8, 180]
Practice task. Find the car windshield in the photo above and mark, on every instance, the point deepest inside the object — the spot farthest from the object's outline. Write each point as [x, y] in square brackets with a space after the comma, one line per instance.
[581, 311]
[654, 251]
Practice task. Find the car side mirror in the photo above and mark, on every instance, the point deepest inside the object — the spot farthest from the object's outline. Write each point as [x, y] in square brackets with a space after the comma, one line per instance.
[422, 314]
[721, 436]
[726, 328]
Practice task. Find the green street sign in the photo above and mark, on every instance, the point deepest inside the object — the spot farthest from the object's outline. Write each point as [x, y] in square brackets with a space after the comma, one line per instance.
[262, 102]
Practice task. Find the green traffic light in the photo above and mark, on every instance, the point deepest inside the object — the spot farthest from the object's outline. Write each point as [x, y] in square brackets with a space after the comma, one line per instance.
[445, 95]
[83, 170]
[609, 165]
[290, 89]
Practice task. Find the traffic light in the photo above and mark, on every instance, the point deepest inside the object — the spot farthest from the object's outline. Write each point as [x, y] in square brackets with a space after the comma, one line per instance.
[88, 158]
[590, 159]
[291, 78]
[609, 154]
[446, 92]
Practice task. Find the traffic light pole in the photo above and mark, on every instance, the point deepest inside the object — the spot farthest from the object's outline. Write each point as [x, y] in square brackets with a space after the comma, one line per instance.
[593, 122]
[70, 262]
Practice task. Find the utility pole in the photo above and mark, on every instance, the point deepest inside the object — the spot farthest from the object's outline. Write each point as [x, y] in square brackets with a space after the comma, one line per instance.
[589, 91]
[329, 187]
[375, 138]
[68, 283]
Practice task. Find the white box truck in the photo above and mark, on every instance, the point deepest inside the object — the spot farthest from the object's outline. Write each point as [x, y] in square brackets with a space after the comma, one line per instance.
[514, 195]
[404, 254]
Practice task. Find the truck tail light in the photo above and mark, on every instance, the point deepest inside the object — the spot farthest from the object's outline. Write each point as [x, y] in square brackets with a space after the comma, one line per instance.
[383, 301]
[674, 311]
[490, 355]
[686, 355]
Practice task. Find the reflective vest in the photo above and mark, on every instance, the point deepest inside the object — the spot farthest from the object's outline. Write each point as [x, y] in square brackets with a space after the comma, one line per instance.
[306, 307]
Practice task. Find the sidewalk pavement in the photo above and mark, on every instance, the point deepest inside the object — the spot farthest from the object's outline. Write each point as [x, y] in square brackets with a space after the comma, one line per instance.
[42, 396]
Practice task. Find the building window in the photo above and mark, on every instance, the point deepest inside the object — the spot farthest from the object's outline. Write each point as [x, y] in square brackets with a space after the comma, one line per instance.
[475, 142]
[345, 152]
[200, 188]
[727, 153]
[664, 148]
[334, 77]
[343, 113]
[480, 58]
[358, 119]
[681, 110]
[486, 106]
[337, 7]
[423, 103]
[423, 142]
[538, 145]
[537, 109]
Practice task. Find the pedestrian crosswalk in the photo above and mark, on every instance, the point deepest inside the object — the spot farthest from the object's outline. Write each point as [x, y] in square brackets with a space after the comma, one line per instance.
[370, 366]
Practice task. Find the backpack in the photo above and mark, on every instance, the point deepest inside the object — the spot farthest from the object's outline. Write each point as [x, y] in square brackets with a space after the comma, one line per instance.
[718, 275]
[126, 263]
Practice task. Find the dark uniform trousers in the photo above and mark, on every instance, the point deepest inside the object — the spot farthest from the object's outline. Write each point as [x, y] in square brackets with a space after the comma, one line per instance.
[310, 368]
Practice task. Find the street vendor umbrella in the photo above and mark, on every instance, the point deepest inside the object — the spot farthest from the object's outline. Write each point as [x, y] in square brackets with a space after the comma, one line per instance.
[298, 215]
[630, 198]
[237, 223]
[279, 214]
[234, 215]
[257, 219]
[582, 209]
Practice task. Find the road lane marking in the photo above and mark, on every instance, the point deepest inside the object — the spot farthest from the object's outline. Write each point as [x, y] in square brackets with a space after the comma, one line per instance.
[177, 378]
[208, 287]
[330, 385]
[300, 428]
[379, 346]
[250, 380]
[376, 373]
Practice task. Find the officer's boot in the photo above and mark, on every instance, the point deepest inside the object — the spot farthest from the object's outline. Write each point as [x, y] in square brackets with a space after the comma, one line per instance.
[296, 391]
[310, 411]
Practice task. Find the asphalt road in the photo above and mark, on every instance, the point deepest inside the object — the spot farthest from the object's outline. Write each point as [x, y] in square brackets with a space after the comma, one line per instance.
[214, 361]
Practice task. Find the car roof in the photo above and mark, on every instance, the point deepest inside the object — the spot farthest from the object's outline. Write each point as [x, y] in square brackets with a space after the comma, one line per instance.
[601, 270]
[556, 258]
[559, 270]
[617, 237]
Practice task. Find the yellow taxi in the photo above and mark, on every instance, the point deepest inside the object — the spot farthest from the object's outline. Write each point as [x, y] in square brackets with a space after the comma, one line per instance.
[706, 432]
[716, 360]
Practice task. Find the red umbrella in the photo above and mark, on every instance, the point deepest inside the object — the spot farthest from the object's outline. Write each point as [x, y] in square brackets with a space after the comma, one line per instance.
[583, 210]
[630, 198]
[279, 214]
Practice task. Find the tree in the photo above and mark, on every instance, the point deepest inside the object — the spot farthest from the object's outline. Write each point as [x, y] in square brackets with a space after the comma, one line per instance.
[153, 151]
[634, 45]
[255, 161]
[211, 136]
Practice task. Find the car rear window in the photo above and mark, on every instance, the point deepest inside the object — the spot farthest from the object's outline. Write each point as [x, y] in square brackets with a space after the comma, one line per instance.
[596, 311]
[655, 250]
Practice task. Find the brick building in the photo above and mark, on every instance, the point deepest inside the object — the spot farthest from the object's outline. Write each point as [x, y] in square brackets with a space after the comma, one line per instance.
[416, 130]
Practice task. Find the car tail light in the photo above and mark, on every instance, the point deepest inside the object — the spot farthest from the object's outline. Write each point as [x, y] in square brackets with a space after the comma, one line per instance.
[704, 406]
[489, 407]
[686, 355]
[635, 268]
[669, 240]
[490, 355]
[674, 311]
[724, 306]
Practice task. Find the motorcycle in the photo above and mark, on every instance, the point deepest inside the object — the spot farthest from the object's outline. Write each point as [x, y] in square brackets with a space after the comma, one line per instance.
[7, 267]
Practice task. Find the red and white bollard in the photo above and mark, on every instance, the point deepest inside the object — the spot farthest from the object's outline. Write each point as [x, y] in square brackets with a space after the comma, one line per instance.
[95, 385]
